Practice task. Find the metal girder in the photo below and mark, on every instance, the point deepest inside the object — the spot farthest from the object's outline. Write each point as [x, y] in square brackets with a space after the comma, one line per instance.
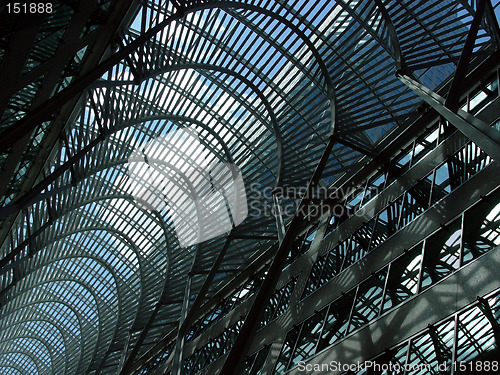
[402, 138]
[381, 253]
[140, 340]
[236, 357]
[135, 350]
[42, 112]
[393, 46]
[492, 21]
[193, 309]
[489, 21]
[29, 337]
[15, 60]
[476, 130]
[25, 355]
[455, 90]
[352, 145]
[22, 201]
[280, 225]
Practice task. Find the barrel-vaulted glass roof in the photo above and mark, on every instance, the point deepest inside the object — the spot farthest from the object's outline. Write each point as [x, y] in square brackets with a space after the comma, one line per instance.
[86, 268]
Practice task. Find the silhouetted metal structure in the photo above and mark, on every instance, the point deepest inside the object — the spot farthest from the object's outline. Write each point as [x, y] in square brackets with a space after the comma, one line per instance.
[367, 134]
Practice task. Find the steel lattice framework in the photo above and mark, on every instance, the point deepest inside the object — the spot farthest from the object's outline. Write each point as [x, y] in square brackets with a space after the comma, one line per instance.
[298, 94]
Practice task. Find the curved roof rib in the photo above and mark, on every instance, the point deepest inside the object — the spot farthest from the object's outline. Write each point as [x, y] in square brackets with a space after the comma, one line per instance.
[89, 278]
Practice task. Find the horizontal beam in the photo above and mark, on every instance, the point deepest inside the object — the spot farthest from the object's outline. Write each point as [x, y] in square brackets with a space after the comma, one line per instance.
[436, 303]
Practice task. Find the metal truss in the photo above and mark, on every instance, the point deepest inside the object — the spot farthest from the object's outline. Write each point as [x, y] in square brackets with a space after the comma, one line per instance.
[300, 94]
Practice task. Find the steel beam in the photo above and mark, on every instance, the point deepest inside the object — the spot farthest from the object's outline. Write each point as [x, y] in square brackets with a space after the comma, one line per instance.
[492, 21]
[455, 90]
[42, 112]
[455, 292]
[280, 225]
[236, 357]
[193, 310]
[178, 354]
[476, 130]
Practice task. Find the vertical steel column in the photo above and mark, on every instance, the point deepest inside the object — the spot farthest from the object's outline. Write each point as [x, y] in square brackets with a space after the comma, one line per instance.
[124, 353]
[236, 357]
[181, 338]
[187, 318]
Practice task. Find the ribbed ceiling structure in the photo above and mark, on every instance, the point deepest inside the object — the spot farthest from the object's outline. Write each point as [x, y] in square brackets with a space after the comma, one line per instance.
[90, 277]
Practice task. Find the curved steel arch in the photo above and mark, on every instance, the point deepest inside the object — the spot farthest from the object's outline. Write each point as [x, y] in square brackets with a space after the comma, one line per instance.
[112, 196]
[26, 355]
[80, 203]
[13, 368]
[196, 67]
[49, 301]
[253, 87]
[396, 47]
[59, 302]
[17, 352]
[82, 284]
[63, 363]
[142, 260]
[51, 324]
[174, 119]
[29, 337]
[118, 293]
[97, 260]
[86, 286]
[121, 237]
[236, 4]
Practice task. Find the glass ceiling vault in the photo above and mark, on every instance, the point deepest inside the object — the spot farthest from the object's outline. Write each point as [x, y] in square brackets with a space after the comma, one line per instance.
[262, 85]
